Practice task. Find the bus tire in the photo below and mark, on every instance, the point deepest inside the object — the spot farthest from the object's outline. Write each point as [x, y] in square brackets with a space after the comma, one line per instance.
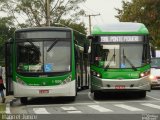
[142, 94]
[97, 95]
[23, 100]
[72, 98]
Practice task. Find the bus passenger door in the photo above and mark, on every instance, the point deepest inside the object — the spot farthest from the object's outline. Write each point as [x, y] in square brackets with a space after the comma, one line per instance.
[8, 67]
[77, 64]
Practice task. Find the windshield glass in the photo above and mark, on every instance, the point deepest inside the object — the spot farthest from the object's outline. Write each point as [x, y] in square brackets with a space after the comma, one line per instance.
[131, 55]
[57, 57]
[155, 62]
[109, 55]
[124, 52]
[43, 56]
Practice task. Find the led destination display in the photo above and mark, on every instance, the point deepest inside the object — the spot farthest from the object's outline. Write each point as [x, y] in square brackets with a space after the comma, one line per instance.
[121, 39]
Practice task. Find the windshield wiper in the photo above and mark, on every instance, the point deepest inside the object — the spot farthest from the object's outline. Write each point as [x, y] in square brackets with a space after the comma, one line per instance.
[113, 58]
[52, 45]
[33, 45]
[125, 58]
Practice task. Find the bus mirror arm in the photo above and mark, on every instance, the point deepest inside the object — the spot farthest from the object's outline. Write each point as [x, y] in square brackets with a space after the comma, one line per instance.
[90, 37]
[86, 47]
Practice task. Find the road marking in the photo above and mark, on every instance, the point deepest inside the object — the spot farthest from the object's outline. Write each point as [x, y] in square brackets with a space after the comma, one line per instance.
[153, 97]
[130, 108]
[40, 111]
[74, 111]
[69, 108]
[99, 108]
[151, 105]
[89, 96]
[8, 108]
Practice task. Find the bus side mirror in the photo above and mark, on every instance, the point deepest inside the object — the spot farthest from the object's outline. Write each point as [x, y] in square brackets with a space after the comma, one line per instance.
[90, 37]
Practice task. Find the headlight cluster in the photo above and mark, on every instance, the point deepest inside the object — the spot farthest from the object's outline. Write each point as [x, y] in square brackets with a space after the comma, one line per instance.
[152, 77]
[20, 81]
[95, 74]
[67, 80]
[143, 74]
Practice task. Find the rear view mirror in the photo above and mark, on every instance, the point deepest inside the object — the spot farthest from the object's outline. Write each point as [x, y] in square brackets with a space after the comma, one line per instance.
[89, 37]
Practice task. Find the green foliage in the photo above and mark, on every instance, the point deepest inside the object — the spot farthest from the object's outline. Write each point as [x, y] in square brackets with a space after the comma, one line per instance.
[29, 13]
[144, 11]
[2, 108]
[6, 32]
[34, 11]
[78, 28]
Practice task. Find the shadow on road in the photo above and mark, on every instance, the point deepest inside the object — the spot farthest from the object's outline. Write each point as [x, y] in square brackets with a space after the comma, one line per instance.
[49, 100]
[108, 96]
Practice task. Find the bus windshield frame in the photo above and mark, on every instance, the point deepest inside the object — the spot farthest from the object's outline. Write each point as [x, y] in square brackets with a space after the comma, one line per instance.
[116, 51]
[38, 56]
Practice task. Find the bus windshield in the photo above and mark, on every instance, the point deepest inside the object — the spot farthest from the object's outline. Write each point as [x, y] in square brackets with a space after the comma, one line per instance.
[44, 56]
[119, 54]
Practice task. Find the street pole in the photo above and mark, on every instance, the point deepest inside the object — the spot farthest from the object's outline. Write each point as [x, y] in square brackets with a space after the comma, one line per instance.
[90, 25]
[48, 12]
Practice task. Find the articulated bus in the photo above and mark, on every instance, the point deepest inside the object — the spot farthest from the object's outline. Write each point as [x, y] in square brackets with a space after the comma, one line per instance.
[120, 59]
[46, 62]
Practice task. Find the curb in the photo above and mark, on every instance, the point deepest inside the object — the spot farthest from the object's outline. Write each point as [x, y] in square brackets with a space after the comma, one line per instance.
[10, 103]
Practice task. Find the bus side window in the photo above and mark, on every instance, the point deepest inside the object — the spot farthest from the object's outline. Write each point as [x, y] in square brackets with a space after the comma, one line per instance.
[77, 54]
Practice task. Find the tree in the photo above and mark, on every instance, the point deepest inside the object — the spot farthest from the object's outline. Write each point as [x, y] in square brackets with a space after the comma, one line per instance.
[144, 11]
[78, 28]
[6, 32]
[34, 11]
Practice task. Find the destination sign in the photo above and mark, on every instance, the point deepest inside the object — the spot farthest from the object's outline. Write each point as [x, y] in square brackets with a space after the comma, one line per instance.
[43, 34]
[121, 39]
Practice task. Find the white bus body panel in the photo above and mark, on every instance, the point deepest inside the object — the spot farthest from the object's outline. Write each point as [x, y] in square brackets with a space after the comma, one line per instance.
[67, 89]
[130, 84]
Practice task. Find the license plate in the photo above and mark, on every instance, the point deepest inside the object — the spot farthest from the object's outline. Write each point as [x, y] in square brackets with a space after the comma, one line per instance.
[43, 91]
[119, 87]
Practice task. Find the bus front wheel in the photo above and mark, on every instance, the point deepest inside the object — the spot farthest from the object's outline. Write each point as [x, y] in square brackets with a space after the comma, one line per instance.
[142, 94]
[23, 100]
[97, 95]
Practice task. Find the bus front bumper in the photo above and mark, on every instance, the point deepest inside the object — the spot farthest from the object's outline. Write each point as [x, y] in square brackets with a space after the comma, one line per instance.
[67, 89]
[99, 84]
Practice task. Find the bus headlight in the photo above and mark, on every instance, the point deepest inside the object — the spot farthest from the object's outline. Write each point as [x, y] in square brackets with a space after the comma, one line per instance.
[20, 81]
[152, 77]
[67, 80]
[96, 74]
[143, 74]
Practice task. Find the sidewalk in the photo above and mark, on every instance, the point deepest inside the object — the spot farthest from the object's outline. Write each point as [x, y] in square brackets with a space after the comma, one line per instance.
[9, 99]
[5, 107]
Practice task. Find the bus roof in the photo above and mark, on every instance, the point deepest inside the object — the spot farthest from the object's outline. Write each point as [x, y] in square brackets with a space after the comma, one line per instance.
[43, 28]
[120, 28]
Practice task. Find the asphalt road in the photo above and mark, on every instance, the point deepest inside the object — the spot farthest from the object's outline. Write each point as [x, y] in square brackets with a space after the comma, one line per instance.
[118, 106]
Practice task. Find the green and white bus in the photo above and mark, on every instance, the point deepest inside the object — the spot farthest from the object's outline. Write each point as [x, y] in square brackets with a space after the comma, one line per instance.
[120, 58]
[41, 62]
